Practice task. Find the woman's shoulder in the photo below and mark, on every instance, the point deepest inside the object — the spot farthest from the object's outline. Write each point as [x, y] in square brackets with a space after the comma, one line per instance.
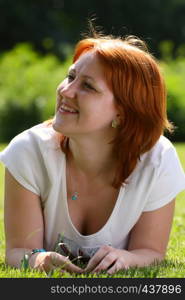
[39, 135]
[34, 142]
[162, 146]
[160, 152]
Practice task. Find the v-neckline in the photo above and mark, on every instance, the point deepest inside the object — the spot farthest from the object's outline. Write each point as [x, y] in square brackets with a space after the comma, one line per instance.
[107, 223]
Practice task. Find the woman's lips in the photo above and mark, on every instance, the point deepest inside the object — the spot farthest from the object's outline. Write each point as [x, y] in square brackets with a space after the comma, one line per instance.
[67, 110]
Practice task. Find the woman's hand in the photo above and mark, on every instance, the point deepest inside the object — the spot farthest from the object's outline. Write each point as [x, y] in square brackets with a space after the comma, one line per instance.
[109, 259]
[48, 261]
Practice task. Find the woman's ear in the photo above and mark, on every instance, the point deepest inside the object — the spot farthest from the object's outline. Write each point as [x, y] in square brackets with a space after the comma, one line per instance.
[118, 119]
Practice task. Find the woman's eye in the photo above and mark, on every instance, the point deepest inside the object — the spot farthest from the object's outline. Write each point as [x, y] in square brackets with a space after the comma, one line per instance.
[87, 85]
[70, 77]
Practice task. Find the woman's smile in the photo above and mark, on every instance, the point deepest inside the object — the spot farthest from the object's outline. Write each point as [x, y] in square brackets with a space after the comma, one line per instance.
[66, 109]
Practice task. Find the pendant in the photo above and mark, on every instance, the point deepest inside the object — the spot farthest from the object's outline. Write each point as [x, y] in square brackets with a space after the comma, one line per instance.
[74, 196]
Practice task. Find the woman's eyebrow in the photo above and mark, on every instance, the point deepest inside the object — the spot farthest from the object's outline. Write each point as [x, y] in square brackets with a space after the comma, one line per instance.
[72, 69]
[88, 77]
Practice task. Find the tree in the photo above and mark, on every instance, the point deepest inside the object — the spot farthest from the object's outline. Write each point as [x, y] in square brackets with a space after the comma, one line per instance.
[50, 25]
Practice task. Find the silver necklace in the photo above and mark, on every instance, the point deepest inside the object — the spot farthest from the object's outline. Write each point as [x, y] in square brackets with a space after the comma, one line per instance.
[75, 194]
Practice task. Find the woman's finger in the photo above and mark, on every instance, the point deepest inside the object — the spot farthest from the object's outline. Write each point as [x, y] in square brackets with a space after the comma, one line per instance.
[106, 262]
[70, 267]
[119, 265]
[115, 268]
[49, 261]
[97, 258]
[63, 262]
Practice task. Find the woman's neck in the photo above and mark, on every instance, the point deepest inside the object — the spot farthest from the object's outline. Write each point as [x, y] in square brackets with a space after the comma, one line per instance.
[91, 158]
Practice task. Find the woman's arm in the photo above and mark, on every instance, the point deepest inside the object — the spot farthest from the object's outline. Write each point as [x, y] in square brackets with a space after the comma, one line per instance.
[24, 229]
[23, 219]
[147, 244]
[149, 237]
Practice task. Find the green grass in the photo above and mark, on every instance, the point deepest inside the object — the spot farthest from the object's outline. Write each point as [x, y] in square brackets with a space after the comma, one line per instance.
[172, 267]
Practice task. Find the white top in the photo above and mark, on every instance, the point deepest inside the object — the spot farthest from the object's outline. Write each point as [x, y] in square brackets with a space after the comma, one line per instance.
[36, 161]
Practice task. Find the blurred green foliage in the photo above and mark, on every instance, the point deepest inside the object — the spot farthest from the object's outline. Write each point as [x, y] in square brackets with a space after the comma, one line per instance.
[27, 88]
[28, 83]
[49, 24]
[174, 73]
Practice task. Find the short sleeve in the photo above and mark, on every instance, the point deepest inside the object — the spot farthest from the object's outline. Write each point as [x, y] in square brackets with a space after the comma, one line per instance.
[20, 157]
[169, 181]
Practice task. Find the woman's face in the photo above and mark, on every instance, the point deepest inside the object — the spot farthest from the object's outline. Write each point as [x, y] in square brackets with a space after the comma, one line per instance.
[85, 104]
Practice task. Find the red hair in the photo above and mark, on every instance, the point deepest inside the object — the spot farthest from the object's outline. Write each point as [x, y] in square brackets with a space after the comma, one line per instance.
[138, 86]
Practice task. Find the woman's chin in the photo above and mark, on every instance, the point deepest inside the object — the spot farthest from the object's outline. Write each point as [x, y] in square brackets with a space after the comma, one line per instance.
[61, 129]
[57, 127]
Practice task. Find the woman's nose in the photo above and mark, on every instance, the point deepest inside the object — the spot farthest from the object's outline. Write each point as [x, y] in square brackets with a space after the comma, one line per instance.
[68, 90]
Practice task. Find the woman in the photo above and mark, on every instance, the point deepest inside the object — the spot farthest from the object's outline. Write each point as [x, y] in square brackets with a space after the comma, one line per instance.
[99, 181]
